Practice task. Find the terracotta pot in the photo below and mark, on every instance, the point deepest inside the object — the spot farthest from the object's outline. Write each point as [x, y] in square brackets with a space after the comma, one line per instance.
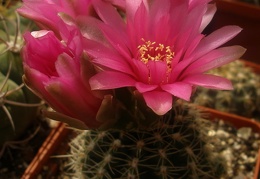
[53, 144]
[254, 66]
[238, 122]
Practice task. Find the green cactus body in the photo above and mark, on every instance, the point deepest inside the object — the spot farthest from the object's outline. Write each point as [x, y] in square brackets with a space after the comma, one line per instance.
[6, 128]
[18, 105]
[243, 100]
[174, 147]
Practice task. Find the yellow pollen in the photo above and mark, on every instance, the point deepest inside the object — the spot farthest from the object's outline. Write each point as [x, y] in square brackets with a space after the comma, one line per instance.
[151, 51]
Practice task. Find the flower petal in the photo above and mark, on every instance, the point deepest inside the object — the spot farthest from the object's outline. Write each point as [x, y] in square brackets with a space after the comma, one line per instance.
[216, 39]
[190, 27]
[158, 72]
[159, 9]
[194, 3]
[160, 102]
[117, 40]
[110, 80]
[209, 81]
[36, 82]
[131, 7]
[216, 58]
[39, 59]
[141, 71]
[142, 87]
[100, 50]
[179, 89]
[115, 64]
[70, 74]
[118, 3]
[109, 14]
[208, 16]
[75, 104]
[66, 67]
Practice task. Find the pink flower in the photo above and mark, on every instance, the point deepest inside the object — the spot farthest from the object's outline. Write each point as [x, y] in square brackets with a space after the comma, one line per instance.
[60, 16]
[160, 50]
[52, 14]
[59, 73]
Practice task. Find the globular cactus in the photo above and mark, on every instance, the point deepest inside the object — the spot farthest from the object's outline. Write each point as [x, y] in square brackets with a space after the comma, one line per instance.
[18, 105]
[244, 100]
[173, 147]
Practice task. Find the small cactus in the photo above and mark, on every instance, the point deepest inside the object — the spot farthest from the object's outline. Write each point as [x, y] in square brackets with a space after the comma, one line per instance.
[174, 147]
[121, 77]
[18, 105]
[244, 100]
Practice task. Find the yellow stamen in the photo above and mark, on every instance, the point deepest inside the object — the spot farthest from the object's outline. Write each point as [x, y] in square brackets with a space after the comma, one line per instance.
[150, 51]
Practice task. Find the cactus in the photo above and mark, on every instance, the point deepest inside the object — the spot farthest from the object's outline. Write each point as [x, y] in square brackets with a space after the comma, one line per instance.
[18, 105]
[173, 147]
[244, 100]
[138, 128]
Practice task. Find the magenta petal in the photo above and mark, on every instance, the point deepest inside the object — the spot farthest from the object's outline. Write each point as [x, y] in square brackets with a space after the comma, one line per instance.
[131, 7]
[178, 15]
[118, 3]
[141, 71]
[190, 27]
[179, 89]
[140, 24]
[66, 66]
[117, 40]
[48, 49]
[115, 64]
[159, 9]
[36, 81]
[110, 80]
[158, 72]
[208, 16]
[194, 3]
[179, 68]
[109, 14]
[141, 87]
[193, 46]
[69, 74]
[160, 102]
[76, 105]
[216, 39]
[216, 58]
[100, 50]
[209, 81]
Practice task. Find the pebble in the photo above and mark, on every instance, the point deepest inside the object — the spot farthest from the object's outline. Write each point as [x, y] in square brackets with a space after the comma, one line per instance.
[238, 146]
[244, 132]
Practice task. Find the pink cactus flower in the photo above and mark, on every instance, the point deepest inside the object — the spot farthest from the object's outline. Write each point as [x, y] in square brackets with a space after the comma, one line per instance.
[59, 15]
[59, 73]
[49, 14]
[159, 49]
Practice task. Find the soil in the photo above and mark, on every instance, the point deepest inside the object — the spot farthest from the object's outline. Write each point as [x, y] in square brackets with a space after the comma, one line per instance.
[18, 154]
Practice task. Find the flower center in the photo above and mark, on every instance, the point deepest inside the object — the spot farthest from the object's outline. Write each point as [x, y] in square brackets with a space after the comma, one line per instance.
[152, 51]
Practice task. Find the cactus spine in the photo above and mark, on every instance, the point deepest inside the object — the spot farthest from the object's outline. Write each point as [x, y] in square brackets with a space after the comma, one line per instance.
[173, 147]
